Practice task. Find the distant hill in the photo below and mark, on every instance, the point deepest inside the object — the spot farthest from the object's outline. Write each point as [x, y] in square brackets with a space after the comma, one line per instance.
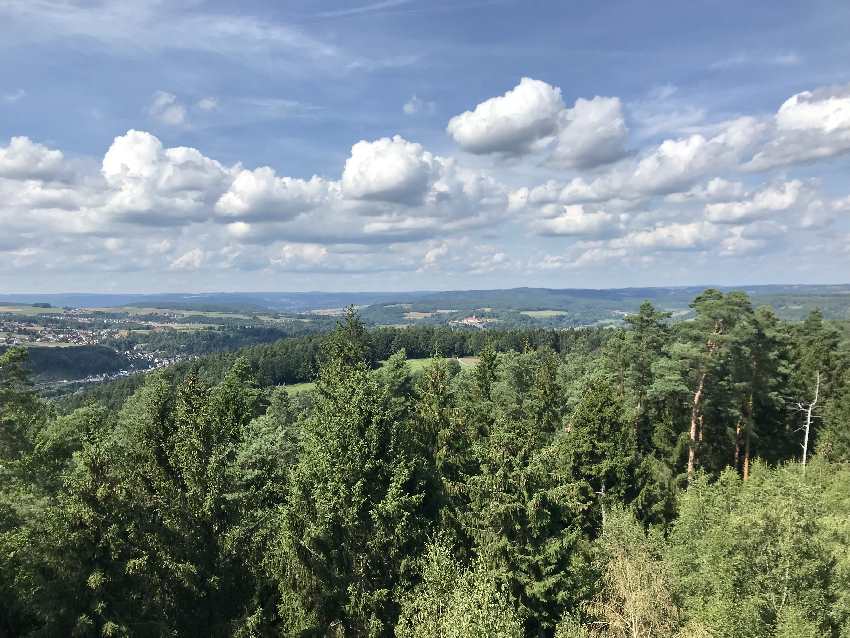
[530, 306]
[519, 305]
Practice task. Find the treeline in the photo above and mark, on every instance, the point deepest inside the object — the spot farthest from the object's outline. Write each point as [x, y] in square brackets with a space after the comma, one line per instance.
[229, 336]
[651, 483]
[73, 362]
[295, 359]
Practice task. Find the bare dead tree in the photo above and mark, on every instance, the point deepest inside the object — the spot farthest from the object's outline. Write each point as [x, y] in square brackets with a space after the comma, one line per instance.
[808, 409]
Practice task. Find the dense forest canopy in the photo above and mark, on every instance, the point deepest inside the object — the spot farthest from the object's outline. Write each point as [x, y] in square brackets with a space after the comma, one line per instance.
[663, 479]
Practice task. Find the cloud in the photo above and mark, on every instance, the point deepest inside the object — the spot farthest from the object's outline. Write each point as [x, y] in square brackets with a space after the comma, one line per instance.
[463, 255]
[532, 117]
[184, 210]
[716, 189]
[809, 126]
[776, 198]
[388, 170]
[208, 104]
[301, 253]
[639, 246]
[151, 184]
[417, 106]
[24, 159]
[510, 124]
[663, 110]
[261, 194]
[576, 220]
[842, 204]
[435, 255]
[676, 164]
[166, 109]
[396, 206]
[671, 237]
[166, 27]
[785, 59]
[590, 134]
[673, 166]
[14, 96]
[374, 7]
[191, 260]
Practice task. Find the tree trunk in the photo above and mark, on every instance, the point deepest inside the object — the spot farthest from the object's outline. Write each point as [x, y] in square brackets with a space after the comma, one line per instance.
[695, 429]
[809, 412]
[739, 439]
[748, 427]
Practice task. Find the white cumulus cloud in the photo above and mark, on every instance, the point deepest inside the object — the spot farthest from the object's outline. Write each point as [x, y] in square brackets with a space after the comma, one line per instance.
[591, 133]
[511, 123]
[776, 198]
[808, 126]
[24, 159]
[153, 184]
[260, 193]
[576, 220]
[533, 117]
[388, 170]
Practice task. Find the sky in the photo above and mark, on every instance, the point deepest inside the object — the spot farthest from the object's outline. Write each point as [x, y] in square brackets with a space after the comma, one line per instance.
[183, 145]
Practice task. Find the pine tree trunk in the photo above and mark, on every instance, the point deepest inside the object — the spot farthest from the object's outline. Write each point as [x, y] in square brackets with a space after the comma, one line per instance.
[695, 429]
[739, 439]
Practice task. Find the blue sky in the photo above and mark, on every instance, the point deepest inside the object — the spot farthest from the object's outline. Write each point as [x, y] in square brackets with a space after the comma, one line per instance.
[391, 145]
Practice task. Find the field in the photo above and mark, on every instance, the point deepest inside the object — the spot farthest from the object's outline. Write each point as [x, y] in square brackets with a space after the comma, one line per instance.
[28, 311]
[297, 388]
[416, 366]
[543, 314]
[134, 311]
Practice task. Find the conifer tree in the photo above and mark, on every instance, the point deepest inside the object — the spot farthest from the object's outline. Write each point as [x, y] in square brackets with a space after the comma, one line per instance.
[358, 507]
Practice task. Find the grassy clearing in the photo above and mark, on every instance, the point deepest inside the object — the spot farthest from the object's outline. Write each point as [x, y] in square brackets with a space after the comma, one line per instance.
[543, 314]
[416, 365]
[298, 388]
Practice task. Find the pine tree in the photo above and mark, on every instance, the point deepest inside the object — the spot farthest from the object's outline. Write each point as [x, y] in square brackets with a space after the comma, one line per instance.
[598, 450]
[524, 519]
[358, 505]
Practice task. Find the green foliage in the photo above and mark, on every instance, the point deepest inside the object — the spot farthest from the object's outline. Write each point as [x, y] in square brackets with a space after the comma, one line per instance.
[635, 599]
[598, 449]
[743, 553]
[524, 518]
[20, 410]
[453, 602]
[549, 479]
[357, 510]
[834, 436]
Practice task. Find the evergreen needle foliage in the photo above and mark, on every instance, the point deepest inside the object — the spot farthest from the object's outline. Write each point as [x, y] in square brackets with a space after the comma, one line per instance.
[643, 481]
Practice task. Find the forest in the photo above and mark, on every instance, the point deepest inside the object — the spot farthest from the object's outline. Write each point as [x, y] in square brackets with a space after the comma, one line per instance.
[666, 478]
